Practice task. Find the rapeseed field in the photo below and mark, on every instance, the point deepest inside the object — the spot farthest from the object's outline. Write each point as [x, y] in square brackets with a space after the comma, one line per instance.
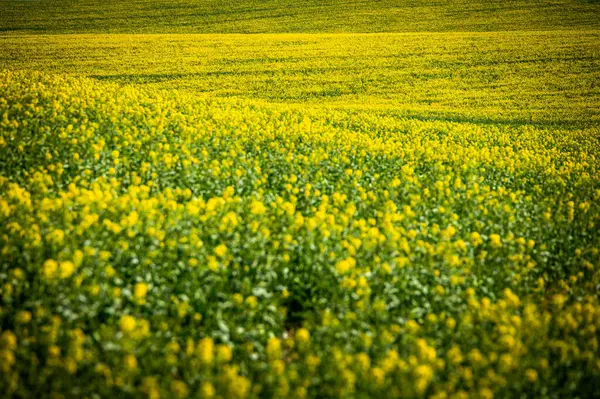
[299, 215]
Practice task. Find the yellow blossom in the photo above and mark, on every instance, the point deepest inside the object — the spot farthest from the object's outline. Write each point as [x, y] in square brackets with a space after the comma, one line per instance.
[140, 290]
[221, 250]
[495, 240]
[127, 323]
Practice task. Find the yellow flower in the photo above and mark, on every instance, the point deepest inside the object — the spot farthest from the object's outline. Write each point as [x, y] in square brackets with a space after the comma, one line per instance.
[221, 250]
[8, 340]
[476, 239]
[238, 299]
[450, 323]
[150, 387]
[127, 323]
[363, 361]
[94, 289]
[559, 300]
[23, 317]
[207, 390]
[312, 362]
[78, 258]
[378, 376]
[424, 375]
[475, 357]
[531, 375]
[257, 208]
[18, 273]
[344, 266]
[7, 360]
[179, 389]
[455, 355]
[213, 264]
[379, 306]
[302, 336]
[71, 365]
[506, 362]
[140, 290]
[66, 269]
[274, 348]
[49, 268]
[495, 240]
[412, 326]
[54, 351]
[449, 232]
[486, 393]
[223, 353]
[130, 362]
[511, 298]
[300, 393]
[229, 221]
[252, 302]
[205, 349]
[173, 347]
[278, 367]
[110, 271]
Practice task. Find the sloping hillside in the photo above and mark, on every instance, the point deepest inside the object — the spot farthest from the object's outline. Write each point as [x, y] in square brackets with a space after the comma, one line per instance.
[276, 16]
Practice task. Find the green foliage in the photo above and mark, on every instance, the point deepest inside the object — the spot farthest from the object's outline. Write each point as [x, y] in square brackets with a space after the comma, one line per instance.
[278, 16]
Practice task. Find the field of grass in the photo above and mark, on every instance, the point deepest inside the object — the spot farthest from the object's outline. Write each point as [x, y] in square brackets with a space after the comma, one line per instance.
[316, 210]
[285, 16]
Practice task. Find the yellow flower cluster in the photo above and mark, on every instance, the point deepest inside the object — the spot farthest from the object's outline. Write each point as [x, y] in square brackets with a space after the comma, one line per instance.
[162, 245]
[352, 71]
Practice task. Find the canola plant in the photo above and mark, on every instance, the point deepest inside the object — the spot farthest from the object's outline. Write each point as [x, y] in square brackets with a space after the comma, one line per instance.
[157, 244]
[299, 199]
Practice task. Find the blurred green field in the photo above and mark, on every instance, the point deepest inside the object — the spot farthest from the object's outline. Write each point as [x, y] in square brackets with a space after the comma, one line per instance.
[277, 16]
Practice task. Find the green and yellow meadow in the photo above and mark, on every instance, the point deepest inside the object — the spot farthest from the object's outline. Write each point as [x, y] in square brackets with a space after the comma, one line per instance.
[339, 213]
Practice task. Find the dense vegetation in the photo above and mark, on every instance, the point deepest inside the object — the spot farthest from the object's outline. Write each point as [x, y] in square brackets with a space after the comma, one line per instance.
[284, 16]
[299, 215]
[541, 77]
